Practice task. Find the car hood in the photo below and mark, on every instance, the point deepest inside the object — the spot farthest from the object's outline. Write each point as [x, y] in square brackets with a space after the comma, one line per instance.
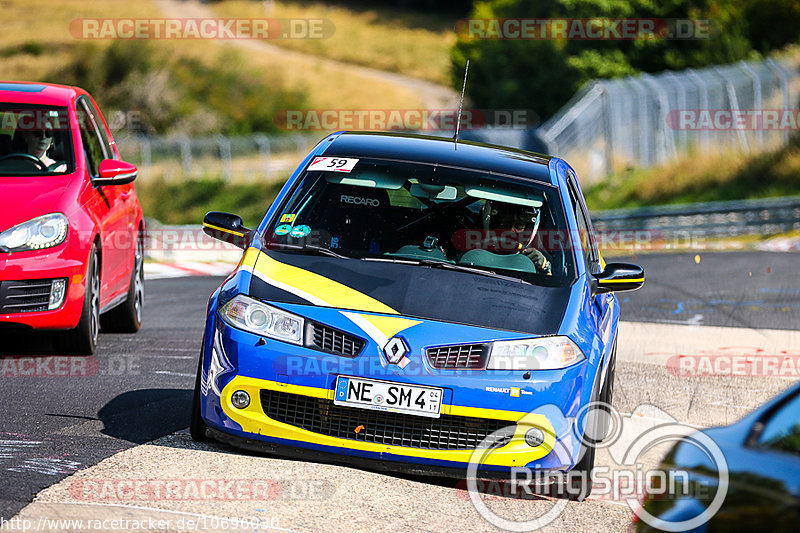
[24, 198]
[409, 290]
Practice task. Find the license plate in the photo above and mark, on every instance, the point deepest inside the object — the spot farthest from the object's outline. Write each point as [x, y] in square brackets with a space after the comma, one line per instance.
[388, 396]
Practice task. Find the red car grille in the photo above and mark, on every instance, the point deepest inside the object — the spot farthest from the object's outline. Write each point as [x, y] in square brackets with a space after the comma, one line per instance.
[25, 296]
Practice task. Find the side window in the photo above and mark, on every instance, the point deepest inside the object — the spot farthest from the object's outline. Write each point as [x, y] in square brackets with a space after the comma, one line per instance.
[586, 238]
[98, 120]
[782, 431]
[92, 145]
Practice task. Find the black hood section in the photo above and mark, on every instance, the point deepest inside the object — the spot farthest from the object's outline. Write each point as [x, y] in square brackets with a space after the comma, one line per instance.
[435, 294]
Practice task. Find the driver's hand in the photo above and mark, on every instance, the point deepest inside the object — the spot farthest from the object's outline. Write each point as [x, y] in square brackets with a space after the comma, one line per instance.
[538, 258]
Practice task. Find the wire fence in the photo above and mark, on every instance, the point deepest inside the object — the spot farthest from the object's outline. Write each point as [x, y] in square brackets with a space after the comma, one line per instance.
[653, 119]
[248, 158]
[607, 126]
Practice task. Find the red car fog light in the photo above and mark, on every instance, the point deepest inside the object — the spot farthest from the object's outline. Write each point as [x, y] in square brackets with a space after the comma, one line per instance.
[58, 291]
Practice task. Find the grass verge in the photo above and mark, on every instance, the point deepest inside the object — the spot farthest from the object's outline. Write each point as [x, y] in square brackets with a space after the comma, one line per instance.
[702, 178]
[188, 202]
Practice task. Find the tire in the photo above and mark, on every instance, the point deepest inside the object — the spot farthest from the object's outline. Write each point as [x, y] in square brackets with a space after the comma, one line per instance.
[581, 475]
[127, 317]
[197, 428]
[82, 339]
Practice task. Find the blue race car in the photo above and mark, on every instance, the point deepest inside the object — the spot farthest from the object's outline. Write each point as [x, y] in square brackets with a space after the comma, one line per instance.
[407, 300]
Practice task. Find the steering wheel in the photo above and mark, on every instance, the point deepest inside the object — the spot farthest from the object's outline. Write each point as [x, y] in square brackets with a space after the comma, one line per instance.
[26, 157]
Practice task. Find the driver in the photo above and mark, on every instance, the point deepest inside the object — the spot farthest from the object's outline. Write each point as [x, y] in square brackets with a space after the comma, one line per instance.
[38, 142]
[523, 221]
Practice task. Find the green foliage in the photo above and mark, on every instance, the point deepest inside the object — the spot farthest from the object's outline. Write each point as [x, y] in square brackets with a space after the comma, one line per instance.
[542, 74]
[188, 202]
[179, 93]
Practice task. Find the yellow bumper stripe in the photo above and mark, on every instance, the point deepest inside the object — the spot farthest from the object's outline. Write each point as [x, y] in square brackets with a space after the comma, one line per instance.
[253, 420]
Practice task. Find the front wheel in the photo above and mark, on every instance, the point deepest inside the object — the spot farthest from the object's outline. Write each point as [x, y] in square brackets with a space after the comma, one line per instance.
[82, 340]
[197, 428]
[597, 429]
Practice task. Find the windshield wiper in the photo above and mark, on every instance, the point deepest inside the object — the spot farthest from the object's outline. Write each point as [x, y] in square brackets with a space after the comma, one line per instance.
[461, 268]
[430, 263]
[317, 250]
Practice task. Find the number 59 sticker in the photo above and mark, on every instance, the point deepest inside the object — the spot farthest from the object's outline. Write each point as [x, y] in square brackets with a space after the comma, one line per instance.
[332, 164]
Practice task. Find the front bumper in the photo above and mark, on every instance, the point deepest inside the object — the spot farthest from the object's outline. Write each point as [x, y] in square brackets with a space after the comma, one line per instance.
[470, 402]
[58, 262]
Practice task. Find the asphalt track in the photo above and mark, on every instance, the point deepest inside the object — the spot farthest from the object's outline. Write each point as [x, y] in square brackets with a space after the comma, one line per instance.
[139, 387]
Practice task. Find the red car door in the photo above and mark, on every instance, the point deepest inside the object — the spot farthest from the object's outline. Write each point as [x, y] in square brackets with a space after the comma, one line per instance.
[108, 205]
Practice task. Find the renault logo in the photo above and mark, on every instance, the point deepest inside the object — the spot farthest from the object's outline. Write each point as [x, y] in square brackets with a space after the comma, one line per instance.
[395, 350]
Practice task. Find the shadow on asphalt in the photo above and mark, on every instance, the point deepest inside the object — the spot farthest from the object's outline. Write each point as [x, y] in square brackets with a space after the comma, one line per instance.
[30, 343]
[144, 415]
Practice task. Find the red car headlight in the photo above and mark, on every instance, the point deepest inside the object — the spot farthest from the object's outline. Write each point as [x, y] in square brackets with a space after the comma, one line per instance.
[41, 232]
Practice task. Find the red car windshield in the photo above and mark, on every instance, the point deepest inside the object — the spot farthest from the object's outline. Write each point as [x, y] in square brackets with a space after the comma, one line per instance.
[34, 140]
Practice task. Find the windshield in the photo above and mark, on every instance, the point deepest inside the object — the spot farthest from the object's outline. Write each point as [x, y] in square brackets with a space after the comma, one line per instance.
[34, 140]
[426, 215]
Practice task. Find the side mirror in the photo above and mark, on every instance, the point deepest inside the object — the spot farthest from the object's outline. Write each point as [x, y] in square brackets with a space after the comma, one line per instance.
[113, 172]
[226, 227]
[618, 277]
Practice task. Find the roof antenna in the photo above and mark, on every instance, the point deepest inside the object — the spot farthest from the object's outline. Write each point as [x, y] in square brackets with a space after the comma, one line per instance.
[461, 103]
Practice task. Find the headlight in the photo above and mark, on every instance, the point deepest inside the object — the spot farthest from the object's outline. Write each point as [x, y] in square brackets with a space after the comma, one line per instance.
[41, 232]
[262, 319]
[544, 353]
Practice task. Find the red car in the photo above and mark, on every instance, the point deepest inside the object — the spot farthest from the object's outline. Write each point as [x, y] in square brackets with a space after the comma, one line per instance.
[71, 227]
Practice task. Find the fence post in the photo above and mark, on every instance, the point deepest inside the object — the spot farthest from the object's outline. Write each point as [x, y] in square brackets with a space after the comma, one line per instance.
[703, 102]
[264, 151]
[733, 103]
[775, 66]
[225, 155]
[186, 156]
[146, 153]
[681, 101]
[757, 99]
[607, 131]
[665, 145]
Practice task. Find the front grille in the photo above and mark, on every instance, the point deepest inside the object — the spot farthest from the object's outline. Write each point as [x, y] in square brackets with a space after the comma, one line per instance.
[24, 296]
[464, 356]
[332, 341]
[322, 416]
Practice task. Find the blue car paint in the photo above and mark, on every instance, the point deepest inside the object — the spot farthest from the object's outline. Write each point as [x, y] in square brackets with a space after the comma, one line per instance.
[591, 322]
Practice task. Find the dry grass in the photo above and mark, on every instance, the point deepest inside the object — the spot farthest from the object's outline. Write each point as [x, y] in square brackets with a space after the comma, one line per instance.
[702, 177]
[413, 44]
[43, 26]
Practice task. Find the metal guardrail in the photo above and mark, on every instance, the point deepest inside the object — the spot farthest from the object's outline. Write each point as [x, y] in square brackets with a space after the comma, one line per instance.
[765, 216]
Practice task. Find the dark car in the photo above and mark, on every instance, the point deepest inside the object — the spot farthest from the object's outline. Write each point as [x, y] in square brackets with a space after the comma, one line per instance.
[762, 452]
